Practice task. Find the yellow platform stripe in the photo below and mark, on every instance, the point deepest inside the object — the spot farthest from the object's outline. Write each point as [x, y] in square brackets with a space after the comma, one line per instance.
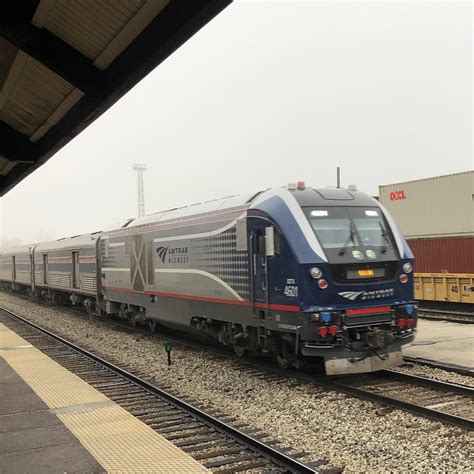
[119, 441]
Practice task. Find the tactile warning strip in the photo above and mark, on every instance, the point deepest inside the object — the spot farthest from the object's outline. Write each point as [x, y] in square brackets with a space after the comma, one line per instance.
[119, 441]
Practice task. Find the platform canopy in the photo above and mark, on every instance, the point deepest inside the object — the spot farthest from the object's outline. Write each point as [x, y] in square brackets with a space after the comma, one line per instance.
[65, 62]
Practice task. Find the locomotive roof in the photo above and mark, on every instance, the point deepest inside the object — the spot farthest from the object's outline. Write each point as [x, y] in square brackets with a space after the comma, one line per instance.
[228, 202]
[332, 197]
[306, 197]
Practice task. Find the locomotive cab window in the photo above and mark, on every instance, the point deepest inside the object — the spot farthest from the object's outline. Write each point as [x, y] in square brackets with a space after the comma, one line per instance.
[353, 233]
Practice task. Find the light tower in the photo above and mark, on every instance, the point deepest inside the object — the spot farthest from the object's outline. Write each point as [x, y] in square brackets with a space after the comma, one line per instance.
[140, 168]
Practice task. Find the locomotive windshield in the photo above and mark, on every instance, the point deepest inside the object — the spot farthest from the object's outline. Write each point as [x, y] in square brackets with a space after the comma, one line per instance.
[352, 233]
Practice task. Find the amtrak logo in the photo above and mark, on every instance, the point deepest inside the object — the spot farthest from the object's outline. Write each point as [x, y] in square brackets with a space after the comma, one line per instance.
[351, 295]
[162, 251]
[173, 255]
[367, 295]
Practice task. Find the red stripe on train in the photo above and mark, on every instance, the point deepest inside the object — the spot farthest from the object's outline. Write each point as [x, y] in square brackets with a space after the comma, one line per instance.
[378, 309]
[277, 307]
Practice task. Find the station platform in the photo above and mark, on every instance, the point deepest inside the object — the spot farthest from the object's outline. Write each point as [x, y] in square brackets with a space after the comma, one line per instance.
[52, 421]
[445, 342]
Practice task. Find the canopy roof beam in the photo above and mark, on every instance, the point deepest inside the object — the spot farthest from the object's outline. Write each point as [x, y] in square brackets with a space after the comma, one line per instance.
[55, 54]
[15, 146]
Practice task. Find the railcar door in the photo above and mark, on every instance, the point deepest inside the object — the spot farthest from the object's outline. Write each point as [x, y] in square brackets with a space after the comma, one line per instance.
[75, 269]
[45, 269]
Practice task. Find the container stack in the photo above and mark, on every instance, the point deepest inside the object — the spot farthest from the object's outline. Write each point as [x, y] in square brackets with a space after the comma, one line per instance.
[436, 215]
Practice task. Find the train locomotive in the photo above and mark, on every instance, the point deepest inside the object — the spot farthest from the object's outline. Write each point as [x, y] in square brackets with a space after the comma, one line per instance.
[302, 274]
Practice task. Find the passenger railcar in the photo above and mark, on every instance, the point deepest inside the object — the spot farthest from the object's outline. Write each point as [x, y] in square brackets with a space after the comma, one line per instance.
[15, 267]
[320, 274]
[67, 267]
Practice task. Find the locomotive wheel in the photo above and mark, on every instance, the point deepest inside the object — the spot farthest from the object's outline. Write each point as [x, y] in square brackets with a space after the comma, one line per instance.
[239, 351]
[152, 325]
[284, 360]
[133, 321]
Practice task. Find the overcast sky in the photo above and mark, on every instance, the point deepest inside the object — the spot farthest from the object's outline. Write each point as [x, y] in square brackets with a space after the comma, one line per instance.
[269, 93]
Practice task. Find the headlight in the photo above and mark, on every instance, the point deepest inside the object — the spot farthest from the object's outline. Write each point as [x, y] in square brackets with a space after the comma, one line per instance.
[316, 272]
[407, 267]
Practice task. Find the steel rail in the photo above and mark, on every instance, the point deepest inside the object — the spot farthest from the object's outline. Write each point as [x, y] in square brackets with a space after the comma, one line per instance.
[439, 314]
[414, 408]
[447, 387]
[440, 365]
[272, 454]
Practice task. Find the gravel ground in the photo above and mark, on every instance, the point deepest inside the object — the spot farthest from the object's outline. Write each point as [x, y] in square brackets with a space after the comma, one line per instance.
[348, 432]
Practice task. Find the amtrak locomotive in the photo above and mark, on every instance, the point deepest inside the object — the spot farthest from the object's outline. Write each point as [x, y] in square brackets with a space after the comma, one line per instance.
[299, 273]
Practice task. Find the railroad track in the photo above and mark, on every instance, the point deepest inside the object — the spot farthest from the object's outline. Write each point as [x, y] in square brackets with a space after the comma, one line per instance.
[439, 365]
[207, 436]
[440, 314]
[440, 401]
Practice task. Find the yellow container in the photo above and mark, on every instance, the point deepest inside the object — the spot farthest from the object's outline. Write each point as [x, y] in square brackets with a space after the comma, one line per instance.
[444, 287]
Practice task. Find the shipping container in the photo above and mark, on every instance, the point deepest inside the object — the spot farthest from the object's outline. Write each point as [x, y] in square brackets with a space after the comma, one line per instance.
[444, 287]
[443, 255]
[434, 207]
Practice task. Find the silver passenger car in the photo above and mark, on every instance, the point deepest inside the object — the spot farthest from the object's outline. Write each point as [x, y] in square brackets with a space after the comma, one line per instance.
[15, 266]
[68, 264]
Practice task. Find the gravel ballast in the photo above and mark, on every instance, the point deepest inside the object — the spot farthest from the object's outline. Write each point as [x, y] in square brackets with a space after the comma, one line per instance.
[348, 432]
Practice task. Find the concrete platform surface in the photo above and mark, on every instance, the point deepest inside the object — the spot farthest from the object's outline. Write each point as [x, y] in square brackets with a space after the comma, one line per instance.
[53, 421]
[443, 341]
[32, 438]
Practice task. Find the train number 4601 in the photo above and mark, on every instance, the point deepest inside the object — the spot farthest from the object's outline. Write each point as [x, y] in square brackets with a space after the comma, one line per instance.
[291, 291]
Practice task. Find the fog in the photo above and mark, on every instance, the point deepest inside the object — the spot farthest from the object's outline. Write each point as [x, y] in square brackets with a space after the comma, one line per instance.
[269, 93]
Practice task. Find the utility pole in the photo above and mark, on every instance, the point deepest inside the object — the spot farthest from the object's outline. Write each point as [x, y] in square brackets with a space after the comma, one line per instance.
[140, 168]
[338, 180]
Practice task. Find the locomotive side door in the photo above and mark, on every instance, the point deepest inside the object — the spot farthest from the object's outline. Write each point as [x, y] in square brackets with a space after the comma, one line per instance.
[259, 273]
[137, 262]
